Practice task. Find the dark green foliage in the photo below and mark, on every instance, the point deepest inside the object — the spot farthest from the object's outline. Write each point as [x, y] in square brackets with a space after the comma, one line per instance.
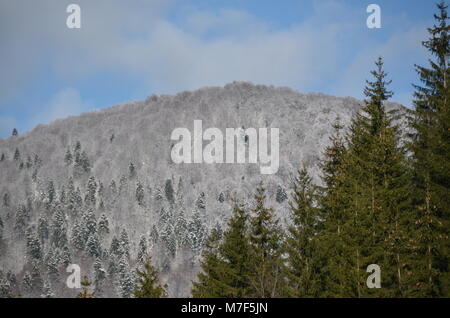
[301, 243]
[226, 260]
[148, 285]
[281, 194]
[266, 239]
[431, 165]
[15, 132]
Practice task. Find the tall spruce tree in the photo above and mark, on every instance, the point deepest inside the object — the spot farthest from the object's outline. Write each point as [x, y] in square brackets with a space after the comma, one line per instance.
[225, 263]
[430, 147]
[301, 243]
[210, 281]
[377, 178]
[266, 265]
[333, 246]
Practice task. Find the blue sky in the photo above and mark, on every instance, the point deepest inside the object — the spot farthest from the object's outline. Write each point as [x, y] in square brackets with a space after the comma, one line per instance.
[128, 50]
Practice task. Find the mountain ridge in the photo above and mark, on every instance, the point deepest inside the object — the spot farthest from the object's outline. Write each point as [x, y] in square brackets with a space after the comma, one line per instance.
[138, 134]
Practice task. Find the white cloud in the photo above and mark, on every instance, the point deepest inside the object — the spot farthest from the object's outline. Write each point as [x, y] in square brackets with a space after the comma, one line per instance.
[64, 103]
[134, 39]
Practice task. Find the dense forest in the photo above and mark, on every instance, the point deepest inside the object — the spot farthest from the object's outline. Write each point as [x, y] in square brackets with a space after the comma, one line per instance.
[383, 199]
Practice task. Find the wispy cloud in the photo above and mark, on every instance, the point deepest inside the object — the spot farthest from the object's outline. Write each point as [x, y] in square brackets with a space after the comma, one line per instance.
[329, 51]
[64, 103]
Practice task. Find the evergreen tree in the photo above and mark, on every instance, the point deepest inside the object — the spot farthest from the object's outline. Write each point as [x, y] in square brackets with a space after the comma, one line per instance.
[47, 291]
[366, 202]
[266, 268]
[93, 245]
[37, 161]
[91, 187]
[235, 251]
[27, 283]
[431, 163]
[140, 194]
[131, 170]
[168, 239]
[59, 229]
[148, 285]
[142, 252]
[77, 237]
[281, 195]
[36, 278]
[16, 155]
[84, 162]
[115, 246]
[197, 232]
[85, 291]
[52, 262]
[34, 248]
[1, 228]
[126, 282]
[22, 219]
[99, 276]
[66, 258]
[103, 225]
[124, 242]
[210, 281]
[181, 230]
[51, 193]
[29, 163]
[6, 200]
[68, 158]
[301, 243]
[333, 242]
[169, 192]
[15, 132]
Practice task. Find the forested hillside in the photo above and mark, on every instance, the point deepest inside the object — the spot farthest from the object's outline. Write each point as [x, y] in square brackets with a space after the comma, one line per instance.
[359, 183]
